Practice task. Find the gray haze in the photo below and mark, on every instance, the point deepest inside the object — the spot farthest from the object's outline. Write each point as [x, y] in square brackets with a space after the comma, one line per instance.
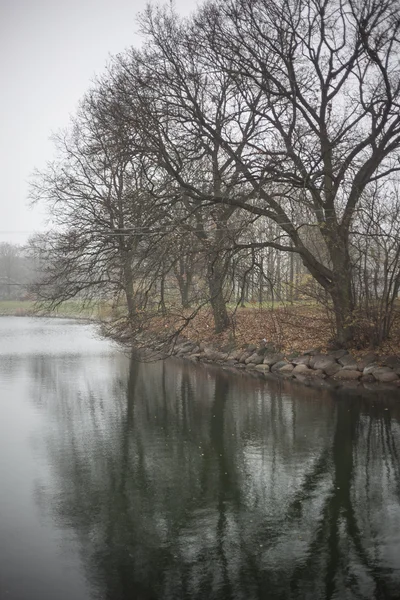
[50, 51]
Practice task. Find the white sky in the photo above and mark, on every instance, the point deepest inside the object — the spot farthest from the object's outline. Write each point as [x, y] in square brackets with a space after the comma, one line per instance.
[50, 51]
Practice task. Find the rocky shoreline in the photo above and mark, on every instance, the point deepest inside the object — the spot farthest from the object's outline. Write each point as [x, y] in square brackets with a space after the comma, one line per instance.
[337, 368]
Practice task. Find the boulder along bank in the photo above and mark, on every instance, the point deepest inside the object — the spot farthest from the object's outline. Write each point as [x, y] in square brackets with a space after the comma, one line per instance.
[337, 368]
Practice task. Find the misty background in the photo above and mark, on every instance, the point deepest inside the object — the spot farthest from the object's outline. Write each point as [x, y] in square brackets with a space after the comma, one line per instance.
[51, 51]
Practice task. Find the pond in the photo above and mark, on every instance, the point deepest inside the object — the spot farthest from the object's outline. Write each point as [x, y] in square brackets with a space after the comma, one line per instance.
[171, 480]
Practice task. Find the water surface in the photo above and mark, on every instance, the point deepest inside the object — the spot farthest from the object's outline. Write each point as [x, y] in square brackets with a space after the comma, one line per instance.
[121, 480]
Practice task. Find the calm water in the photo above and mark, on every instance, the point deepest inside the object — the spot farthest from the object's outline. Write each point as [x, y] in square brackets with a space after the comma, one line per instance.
[121, 480]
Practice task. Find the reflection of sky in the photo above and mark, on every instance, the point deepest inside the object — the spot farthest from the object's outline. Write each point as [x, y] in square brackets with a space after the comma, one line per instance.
[24, 335]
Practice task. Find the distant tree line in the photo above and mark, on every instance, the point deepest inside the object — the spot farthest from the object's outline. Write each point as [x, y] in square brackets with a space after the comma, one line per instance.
[249, 152]
[17, 271]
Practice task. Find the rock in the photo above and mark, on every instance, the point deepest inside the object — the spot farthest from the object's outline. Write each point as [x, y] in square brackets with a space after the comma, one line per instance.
[313, 351]
[258, 360]
[332, 368]
[323, 362]
[316, 357]
[286, 369]
[385, 375]
[251, 348]
[347, 375]
[183, 351]
[348, 362]
[271, 359]
[235, 355]
[336, 354]
[392, 361]
[366, 360]
[255, 359]
[214, 355]
[250, 366]
[370, 368]
[184, 348]
[244, 356]
[301, 360]
[262, 368]
[368, 378]
[316, 373]
[301, 370]
[278, 365]
[250, 358]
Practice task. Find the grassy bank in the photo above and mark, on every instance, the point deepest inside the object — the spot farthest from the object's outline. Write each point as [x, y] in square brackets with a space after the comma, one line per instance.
[72, 309]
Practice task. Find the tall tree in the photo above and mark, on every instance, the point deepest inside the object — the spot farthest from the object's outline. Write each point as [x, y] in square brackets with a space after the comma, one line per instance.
[311, 119]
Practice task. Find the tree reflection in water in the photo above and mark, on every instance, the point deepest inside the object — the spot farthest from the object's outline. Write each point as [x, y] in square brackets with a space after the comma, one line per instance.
[186, 482]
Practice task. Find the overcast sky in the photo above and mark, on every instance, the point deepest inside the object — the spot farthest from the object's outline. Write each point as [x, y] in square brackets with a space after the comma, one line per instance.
[50, 51]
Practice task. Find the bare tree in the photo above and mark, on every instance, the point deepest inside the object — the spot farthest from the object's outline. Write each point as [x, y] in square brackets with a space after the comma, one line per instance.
[96, 192]
[311, 118]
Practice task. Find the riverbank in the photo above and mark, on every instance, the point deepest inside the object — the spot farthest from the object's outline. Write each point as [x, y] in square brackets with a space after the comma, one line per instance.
[294, 342]
[334, 369]
[66, 310]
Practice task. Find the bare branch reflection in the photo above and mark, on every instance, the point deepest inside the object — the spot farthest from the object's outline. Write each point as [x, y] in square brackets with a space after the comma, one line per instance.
[180, 481]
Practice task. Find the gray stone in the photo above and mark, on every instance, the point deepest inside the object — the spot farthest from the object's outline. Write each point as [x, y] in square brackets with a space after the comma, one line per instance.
[189, 347]
[366, 360]
[370, 368]
[313, 351]
[385, 375]
[250, 358]
[251, 348]
[301, 360]
[348, 362]
[325, 362]
[347, 375]
[301, 370]
[332, 368]
[231, 363]
[271, 359]
[250, 366]
[214, 355]
[262, 368]
[278, 365]
[258, 360]
[317, 357]
[232, 357]
[243, 357]
[235, 355]
[392, 361]
[288, 368]
[255, 359]
[318, 373]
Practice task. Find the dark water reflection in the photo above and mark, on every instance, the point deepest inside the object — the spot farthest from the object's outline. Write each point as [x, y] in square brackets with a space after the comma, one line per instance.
[172, 480]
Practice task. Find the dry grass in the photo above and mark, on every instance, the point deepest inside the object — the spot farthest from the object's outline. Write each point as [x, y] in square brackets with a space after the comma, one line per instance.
[291, 328]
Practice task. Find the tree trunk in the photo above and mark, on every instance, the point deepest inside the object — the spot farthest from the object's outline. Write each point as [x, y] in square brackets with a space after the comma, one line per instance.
[216, 276]
[341, 293]
[128, 288]
[184, 279]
